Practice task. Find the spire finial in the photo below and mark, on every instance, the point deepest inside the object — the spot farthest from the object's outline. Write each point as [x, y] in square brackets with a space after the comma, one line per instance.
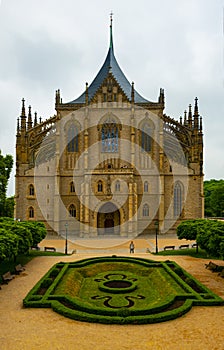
[87, 93]
[196, 107]
[29, 124]
[132, 93]
[35, 118]
[23, 114]
[111, 18]
[111, 31]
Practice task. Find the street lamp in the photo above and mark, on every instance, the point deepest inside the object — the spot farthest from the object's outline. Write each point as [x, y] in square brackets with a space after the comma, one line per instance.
[66, 238]
[156, 226]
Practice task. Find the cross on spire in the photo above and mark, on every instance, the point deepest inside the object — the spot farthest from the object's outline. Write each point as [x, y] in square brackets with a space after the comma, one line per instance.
[111, 34]
[111, 17]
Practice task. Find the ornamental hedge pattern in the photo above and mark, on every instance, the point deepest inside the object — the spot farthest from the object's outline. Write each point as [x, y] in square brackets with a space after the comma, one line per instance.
[120, 290]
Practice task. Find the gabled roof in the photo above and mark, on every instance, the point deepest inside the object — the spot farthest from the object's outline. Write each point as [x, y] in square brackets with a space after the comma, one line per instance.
[110, 66]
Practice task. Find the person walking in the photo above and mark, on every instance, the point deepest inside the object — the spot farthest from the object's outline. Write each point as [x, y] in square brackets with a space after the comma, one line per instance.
[132, 247]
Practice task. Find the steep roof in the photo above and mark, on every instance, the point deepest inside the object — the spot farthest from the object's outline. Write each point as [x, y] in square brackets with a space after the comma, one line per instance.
[110, 66]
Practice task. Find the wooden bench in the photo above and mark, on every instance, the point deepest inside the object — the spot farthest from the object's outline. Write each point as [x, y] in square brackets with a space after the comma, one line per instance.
[221, 274]
[19, 268]
[7, 277]
[184, 246]
[212, 266]
[169, 247]
[35, 247]
[50, 249]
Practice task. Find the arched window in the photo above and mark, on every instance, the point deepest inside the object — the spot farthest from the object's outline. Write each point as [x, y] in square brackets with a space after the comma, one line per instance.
[146, 186]
[31, 190]
[100, 186]
[145, 211]
[178, 198]
[72, 187]
[73, 139]
[109, 136]
[72, 210]
[117, 186]
[146, 137]
[31, 212]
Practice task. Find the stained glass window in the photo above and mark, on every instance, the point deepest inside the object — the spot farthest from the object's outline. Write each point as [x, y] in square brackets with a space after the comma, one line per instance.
[109, 137]
[73, 139]
[31, 212]
[145, 211]
[178, 198]
[72, 210]
[146, 139]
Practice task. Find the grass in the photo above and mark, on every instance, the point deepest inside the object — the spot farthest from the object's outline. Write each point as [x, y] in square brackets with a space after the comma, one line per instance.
[201, 254]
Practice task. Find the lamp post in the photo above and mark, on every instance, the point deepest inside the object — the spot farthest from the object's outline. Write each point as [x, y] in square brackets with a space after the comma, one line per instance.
[156, 226]
[66, 238]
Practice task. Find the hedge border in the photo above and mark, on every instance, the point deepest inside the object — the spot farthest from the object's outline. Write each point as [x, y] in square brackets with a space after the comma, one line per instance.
[82, 311]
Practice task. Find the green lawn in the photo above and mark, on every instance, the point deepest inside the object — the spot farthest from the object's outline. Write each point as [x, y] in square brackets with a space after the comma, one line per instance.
[201, 254]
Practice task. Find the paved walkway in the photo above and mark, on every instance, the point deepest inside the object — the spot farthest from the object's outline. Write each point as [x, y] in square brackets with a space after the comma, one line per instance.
[111, 245]
[29, 329]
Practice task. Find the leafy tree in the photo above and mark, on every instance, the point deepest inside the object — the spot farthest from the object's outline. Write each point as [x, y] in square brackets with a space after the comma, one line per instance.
[9, 243]
[209, 234]
[37, 230]
[9, 206]
[217, 200]
[214, 198]
[16, 237]
[6, 164]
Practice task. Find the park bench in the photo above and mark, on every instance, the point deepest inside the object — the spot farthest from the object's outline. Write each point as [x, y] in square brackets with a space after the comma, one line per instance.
[35, 247]
[169, 247]
[19, 268]
[194, 245]
[212, 266]
[221, 273]
[184, 246]
[7, 277]
[50, 249]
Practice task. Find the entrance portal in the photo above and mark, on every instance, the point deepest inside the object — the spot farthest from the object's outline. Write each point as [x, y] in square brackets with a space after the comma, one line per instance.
[108, 219]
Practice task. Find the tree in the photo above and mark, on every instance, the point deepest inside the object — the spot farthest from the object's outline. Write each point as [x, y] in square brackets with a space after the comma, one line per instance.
[209, 234]
[37, 230]
[6, 164]
[9, 243]
[214, 198]
[9, 206]
[16, 237]
[217, 200]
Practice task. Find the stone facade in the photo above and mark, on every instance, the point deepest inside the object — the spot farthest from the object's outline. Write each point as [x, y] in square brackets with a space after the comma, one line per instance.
[110, 162]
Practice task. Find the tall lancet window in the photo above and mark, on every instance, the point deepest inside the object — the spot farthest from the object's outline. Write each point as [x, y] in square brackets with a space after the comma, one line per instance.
[146, 138]
[73, 139]
[178, 199]
[109, 136]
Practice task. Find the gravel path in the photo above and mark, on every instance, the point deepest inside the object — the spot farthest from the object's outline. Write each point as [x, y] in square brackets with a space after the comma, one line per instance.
[22, 329]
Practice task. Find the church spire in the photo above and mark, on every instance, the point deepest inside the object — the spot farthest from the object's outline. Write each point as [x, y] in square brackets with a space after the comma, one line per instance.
[196, 114]
[29, 124]
[23, 115]
[111, 31]
[190, 116]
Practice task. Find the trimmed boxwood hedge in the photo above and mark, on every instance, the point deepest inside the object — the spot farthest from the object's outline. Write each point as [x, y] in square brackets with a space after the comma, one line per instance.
[149, 301]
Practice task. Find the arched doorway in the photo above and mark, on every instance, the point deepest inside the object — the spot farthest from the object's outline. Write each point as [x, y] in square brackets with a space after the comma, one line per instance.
[108, 219]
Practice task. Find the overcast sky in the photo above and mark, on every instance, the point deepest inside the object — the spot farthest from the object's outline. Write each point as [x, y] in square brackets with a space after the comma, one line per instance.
[52, 44]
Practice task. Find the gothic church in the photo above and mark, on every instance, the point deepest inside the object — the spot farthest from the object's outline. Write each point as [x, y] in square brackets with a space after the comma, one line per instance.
[110, 162]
